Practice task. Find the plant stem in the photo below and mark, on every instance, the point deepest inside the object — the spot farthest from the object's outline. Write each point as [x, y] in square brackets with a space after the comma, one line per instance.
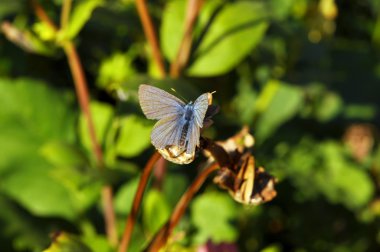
[123, 246]
[84, 102]
[164, 233]
[193, 8]
[150, 35]
[83, 97]
[65, 14]
[41, 14]
[81, 89]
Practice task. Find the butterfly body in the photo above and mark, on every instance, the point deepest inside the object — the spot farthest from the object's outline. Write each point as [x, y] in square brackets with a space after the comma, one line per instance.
[178, 123]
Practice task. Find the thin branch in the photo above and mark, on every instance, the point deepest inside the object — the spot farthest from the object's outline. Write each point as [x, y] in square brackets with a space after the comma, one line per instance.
[65, 13]
[41, 14]
[83, 97]
[81, 89]
[159, 173]
[84, 102]
[160, 239]
[151, 35]
[193, 8]
[109, 215]
[123, 246]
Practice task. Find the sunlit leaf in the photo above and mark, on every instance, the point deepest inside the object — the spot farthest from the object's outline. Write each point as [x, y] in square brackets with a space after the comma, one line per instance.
[35, 189]
[102, 114]
[65, 242]
[155, 211]
[134, 136]
[171, 30]
[330, 105]
[63, 154]
[236, 30]
[124, 197]
[244, 101]
[212, 214]
[277, 103]
[115, 70]
[81, 14]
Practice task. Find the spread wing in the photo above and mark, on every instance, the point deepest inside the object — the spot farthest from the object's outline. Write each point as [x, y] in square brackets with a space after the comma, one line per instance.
[166, 131]
[200, 108]
[157, 103]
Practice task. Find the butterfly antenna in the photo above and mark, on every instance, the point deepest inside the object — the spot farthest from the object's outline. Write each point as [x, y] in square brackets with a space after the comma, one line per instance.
[183, 98]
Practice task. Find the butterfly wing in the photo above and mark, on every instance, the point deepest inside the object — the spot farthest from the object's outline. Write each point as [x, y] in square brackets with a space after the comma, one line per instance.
[193, 137]
[200, 108]
[157, 103]
[166, 131]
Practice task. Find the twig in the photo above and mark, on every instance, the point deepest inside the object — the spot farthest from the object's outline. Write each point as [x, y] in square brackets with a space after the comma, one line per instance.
[164, 233]
[123, 246]
[159, 173]
[84, 102]
[41, 14]
[83, 96]
[150, 34]
[193, 8]
[65, 13]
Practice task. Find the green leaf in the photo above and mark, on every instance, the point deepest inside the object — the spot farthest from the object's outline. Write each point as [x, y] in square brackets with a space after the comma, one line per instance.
[33, 188]
[276, 104]
[246, 95]
[30, 108]
[102, 115]
[325, 169]
[93, 240]
[329, 107]
[212, 214]
[173, 187]
[10, 7]
[337, 179]
[156, 211]
[110, 74]
[63, 154]
[171, 31]
[19, 228]
[236, 30]
[37, 120]
[80, 15]
[134, 136]
[124, 197]
[65, 242]
[360, 111]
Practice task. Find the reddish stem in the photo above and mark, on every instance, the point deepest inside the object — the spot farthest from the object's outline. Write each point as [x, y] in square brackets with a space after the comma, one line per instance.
[150, 35]
[137, 202]
[193, 8]
[163, 235]
[84, 102]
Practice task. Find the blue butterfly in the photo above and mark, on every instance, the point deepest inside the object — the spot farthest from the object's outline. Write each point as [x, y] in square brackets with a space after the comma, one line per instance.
[178, 123]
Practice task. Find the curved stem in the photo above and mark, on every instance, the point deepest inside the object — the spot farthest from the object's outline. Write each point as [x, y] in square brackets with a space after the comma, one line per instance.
[164, 233]
[193, 8]
[150, 35]
[82, 92]
[137, 202]
[65, 14]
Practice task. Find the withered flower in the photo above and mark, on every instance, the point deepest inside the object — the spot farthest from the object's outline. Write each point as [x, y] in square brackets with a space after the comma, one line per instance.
[238, 174]
[247, 185]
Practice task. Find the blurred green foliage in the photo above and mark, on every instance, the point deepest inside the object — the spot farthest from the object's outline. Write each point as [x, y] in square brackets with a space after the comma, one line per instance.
[303, 74]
